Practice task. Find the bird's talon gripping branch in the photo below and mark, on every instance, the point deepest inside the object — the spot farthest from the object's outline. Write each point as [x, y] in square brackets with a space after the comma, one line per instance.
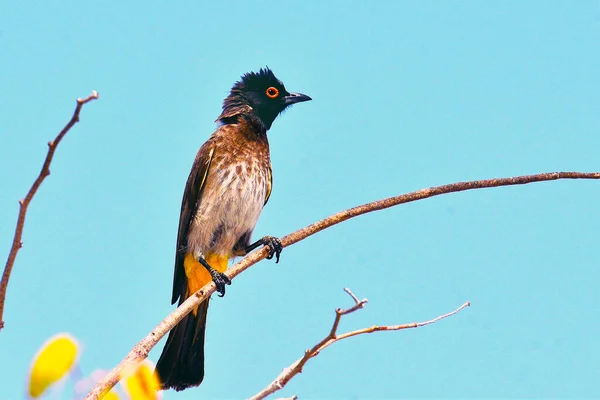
[274, 247]
[273, 244]
[219, 278]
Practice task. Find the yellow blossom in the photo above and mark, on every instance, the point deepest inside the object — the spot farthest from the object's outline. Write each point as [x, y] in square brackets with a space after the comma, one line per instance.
[53, 361]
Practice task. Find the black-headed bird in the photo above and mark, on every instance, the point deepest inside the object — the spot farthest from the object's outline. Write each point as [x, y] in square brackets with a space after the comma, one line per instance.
[228, 186]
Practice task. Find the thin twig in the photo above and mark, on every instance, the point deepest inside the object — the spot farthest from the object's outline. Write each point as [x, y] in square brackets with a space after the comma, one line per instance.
[24, 203]
[141, 349]
[353, 296]
[288, 373]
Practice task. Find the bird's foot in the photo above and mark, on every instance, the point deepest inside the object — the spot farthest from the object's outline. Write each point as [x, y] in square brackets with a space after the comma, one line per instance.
[219, 278]
[274, 247]
[273, 244]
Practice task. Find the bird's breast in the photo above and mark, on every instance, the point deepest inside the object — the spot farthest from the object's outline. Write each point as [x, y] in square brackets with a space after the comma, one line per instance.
[231, 201]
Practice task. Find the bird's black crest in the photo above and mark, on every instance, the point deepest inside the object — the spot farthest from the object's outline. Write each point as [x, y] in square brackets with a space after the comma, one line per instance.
[257, 81]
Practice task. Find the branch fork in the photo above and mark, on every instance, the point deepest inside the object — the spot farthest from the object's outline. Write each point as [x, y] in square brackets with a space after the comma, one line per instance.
[288, 373]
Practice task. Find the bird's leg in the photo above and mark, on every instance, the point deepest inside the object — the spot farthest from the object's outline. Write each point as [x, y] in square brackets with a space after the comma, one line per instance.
[273, 244]
[219, 278]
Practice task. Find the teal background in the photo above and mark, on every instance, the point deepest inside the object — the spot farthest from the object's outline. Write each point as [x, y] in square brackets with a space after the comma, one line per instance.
[407, 95]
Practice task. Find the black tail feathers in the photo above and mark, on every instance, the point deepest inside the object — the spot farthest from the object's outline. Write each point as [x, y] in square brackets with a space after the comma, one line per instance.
[181, 364]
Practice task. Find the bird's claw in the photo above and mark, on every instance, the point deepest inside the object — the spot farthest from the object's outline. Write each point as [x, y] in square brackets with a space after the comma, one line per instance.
[274, 247]
[220, 280]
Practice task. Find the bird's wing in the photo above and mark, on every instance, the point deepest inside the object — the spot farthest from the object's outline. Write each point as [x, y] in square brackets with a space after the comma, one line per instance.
[269, 184]
[191, 200]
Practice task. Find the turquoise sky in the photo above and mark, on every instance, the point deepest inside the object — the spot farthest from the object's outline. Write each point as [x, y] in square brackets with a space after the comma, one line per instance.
[407, 95]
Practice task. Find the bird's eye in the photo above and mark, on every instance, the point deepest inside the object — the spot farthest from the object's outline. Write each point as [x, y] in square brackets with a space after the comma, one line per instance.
[272, 92]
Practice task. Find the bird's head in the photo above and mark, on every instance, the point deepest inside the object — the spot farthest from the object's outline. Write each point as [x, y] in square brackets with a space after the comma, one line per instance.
[262, 94]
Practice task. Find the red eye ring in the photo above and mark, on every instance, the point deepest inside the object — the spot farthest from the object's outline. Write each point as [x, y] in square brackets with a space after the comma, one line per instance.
[272, 92]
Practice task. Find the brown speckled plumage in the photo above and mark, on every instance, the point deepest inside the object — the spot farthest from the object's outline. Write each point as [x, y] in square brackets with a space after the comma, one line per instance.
[234, 193]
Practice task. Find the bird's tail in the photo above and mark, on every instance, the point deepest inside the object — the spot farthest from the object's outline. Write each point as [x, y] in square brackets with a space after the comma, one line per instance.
[181, 364]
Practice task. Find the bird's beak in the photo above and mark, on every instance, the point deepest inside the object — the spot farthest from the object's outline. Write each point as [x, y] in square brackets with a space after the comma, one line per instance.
[294, 98]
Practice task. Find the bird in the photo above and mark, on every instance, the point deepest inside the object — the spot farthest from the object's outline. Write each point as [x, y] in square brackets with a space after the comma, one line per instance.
[229, 184]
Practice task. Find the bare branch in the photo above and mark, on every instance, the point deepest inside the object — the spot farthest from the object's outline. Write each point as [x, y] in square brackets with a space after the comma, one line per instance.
[288, 373]
[24, 203]
[141, 349]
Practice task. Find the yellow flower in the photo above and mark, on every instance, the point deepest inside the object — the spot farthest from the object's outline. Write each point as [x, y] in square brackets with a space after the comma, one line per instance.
[53, 361]
[142, 384]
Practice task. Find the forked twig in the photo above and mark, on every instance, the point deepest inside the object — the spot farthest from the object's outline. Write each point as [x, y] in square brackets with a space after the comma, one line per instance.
[288, 373]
